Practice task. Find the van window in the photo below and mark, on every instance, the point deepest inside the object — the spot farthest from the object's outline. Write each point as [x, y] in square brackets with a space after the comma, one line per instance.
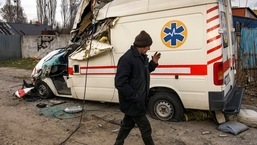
[224, 27]
[76, 68]
[232, 29]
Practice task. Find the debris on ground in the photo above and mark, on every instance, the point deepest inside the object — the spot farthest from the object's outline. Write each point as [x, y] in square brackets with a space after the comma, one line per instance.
[56, 102]
[232, 127]
[41, 105]
[223, 135]
[248, 117]
[73, 109]
[22, 92]
[25, 89]
[206, 132]
[190, 115]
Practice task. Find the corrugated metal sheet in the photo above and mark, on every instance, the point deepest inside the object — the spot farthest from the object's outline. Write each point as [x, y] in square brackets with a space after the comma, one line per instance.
[248, 48]
[10, 47]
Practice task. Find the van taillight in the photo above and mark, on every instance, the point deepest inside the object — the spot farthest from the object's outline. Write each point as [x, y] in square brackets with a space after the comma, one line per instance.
[218, 73]
[70, 71]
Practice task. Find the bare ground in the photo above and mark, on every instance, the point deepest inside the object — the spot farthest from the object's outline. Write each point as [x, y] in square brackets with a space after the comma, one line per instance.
[23, 123]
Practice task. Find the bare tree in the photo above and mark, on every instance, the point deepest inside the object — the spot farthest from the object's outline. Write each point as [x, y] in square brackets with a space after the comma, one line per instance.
[46, 10]
[68, 12]
[6, 11]
[20, 15]
[65, 13]
[51, 10]
[74, 4]
[40, 10]
[13, 12]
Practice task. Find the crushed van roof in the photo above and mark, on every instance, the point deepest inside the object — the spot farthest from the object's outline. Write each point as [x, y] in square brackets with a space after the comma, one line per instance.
[94, 19]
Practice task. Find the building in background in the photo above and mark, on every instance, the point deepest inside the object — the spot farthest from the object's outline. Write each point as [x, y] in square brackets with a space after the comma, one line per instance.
[244, 17]
[23, 29]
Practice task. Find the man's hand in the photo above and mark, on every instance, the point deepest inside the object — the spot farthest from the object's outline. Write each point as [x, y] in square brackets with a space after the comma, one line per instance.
[156, 57]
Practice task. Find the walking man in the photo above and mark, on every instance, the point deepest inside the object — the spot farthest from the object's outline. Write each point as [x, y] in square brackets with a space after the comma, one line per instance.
[132, 81]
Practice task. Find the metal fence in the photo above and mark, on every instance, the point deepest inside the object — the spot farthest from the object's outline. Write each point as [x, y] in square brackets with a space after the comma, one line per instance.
[10, 47]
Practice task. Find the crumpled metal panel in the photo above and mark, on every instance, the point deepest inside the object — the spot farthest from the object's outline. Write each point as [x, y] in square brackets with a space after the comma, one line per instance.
[86, 18]
[90, 33]
[92, 49]
[80, 11]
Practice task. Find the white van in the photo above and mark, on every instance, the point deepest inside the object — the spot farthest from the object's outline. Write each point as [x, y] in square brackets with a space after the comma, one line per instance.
[196, 69]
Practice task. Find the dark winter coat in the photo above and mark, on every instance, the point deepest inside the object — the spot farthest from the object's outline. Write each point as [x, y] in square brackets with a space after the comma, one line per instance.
[132, 81]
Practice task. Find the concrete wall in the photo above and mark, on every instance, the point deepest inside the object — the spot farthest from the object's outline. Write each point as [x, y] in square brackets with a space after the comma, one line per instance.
[29, 45]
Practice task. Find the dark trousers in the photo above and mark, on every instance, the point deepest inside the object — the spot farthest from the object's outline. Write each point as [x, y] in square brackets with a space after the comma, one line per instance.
[128, 123]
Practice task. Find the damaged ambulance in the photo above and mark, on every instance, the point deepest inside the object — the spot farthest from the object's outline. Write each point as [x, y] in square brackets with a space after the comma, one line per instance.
[196, 70]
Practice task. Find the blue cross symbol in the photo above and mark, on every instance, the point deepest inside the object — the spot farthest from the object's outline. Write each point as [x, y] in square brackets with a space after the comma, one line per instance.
[174, 34]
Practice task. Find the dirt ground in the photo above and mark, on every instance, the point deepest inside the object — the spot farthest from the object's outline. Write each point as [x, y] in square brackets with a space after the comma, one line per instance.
[23, 123]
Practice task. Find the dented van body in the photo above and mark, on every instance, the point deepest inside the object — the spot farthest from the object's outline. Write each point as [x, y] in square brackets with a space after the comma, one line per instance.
[196, 40]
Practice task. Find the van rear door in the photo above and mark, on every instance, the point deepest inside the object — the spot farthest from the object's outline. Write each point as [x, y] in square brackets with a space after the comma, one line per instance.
[228, 51]
[232, 94]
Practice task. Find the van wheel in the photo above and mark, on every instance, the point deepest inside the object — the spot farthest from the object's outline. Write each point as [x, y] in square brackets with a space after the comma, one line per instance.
[166, 106]
[43, 90]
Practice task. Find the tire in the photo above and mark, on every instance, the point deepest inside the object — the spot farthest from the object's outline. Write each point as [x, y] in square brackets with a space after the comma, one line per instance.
[166, 107]
[43, 91]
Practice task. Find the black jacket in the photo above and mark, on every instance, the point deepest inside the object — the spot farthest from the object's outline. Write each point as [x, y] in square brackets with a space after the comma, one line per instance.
[132, 81]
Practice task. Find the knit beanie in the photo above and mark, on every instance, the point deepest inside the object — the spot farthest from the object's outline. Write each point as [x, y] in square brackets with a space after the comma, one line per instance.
[143, 39]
